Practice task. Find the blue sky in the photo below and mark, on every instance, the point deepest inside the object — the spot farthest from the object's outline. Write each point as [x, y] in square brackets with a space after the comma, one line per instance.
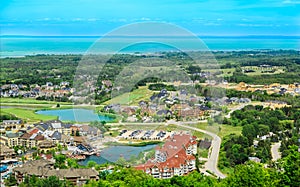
[202, 17]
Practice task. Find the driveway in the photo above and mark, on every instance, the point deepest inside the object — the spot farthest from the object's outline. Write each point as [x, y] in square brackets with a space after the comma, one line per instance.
[275, 151]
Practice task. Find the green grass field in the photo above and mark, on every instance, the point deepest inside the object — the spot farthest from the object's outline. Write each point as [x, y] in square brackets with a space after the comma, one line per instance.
[132, 98]
[26, 114]
[228, 129]
[220, 130]
[258, 71]
[225, 72]
[29, 101]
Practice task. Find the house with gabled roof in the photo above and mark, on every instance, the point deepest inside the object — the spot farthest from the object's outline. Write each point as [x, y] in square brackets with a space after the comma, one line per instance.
[10, 139]
[174, 158]
[6, 153]
[30, 140]
[44, 169]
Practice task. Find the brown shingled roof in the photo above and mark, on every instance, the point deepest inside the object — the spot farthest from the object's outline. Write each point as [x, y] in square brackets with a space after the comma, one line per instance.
[39, 137]
[26, 136]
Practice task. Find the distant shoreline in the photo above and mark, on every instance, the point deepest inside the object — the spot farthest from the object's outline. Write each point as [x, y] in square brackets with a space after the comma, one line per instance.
[199, 36]
[20, 46]
[137, 53]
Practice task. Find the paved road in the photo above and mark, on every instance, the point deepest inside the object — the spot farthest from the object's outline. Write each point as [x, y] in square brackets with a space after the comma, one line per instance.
[212, 162]
[275, 151]
[236, 108]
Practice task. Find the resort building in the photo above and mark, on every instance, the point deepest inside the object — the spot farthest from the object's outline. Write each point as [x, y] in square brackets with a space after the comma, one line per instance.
[11, 125]
[6, 153]
[30, 140]
[10, 139]
[44, 168]
[175, 157]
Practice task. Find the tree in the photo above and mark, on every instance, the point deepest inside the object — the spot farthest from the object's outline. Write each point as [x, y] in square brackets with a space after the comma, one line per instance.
[60, 161]
[121, 161]
[291, 166]
[251, 174]
[72, 163]
[249, 132]
[236, 148]
[264, 150]
[10, 181]
[193, 69]
[52, 181]
[263, 130]
[77, 133]
[91, 164]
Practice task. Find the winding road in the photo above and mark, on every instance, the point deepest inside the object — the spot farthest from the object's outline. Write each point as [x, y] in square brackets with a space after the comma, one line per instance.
[213, 158]
[212, 162]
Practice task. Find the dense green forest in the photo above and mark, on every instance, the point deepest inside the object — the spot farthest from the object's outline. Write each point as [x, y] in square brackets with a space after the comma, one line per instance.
[40, 69]
[284, 124]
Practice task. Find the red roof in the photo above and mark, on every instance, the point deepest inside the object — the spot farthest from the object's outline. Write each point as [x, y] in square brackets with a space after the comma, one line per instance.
[175, 149]
[34, 131]
[175, 143]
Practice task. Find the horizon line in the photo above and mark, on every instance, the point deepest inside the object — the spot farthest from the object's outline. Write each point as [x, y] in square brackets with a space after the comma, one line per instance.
[208, 36]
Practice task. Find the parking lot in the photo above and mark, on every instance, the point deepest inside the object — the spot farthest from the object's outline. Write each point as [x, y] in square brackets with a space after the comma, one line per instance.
[144, 134]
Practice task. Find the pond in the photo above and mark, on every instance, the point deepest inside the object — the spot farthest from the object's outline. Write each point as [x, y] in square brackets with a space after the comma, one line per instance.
[113, 153]
[78, 115]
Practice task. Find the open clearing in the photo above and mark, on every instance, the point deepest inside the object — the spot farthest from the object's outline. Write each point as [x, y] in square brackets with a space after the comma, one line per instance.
[132, 98]
[27, 114]
[220, 130]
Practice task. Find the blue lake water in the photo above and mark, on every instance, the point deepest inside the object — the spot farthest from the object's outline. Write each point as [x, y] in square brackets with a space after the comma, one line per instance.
[78, 115]
[20, 46]
[113, 153]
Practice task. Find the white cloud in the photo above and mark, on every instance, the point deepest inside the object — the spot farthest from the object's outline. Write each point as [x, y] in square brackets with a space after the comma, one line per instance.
[256, 25]
[93, 19]
[291, 2]
[78, 19]
[145, 19]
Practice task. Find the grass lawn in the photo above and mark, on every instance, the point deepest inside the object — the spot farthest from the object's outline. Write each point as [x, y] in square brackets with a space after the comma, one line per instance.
[203, 153]
[27, 114]
[225, 72]
[29, 101]
[220, 130]
[132, 98]
[228, 129]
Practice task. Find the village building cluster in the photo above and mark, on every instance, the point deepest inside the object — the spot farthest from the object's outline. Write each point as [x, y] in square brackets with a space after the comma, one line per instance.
[63, 89]
[275, 88]
[45, 136]
[180, 105]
